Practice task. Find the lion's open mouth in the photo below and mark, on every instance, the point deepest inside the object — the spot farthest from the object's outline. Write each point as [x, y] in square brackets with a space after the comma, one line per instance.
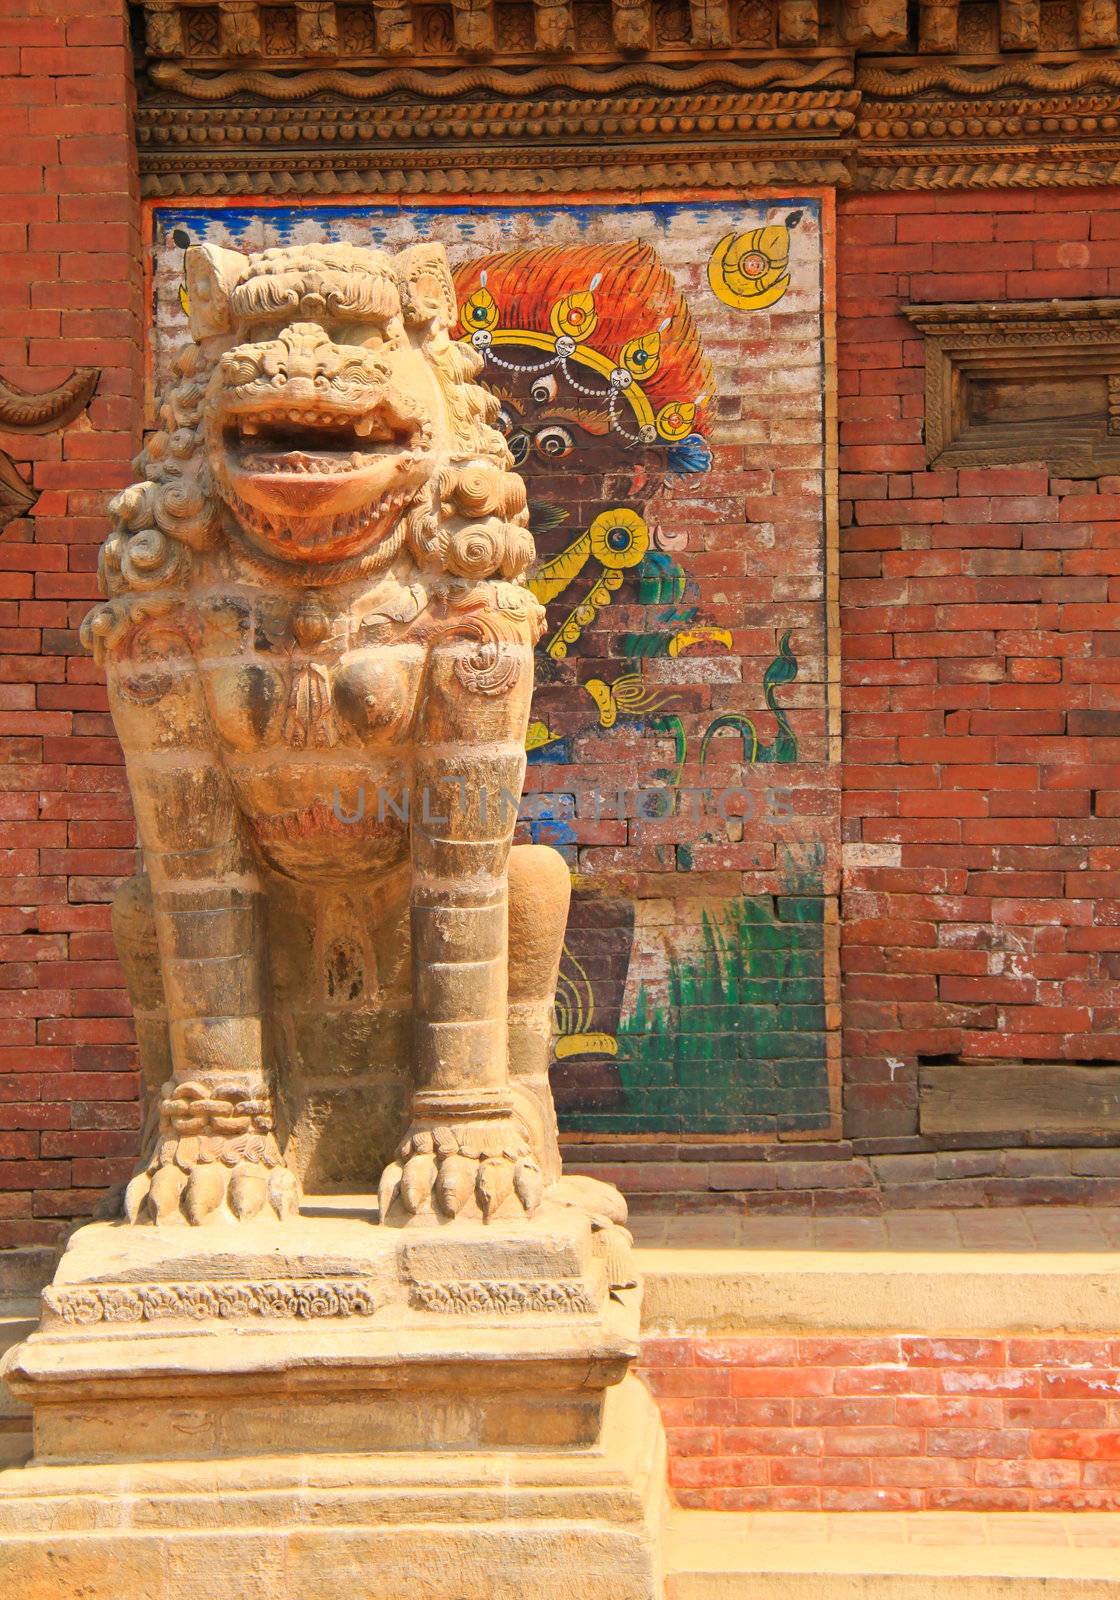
[292, 442]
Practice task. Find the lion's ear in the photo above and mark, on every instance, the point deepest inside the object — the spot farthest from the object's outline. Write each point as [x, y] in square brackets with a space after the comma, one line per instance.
[210, 273]
[426, 287]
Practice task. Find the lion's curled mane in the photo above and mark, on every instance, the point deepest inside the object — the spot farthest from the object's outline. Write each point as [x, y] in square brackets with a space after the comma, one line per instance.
[172, 528]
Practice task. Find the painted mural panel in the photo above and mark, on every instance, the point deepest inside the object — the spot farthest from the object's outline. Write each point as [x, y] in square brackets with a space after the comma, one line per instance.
[662, 377]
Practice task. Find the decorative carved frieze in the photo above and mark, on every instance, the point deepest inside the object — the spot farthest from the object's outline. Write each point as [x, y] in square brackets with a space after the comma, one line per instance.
[163, 29]
[473, 24]
[442, 30]
[513, 1297]
[316, 28]
[428, 85]
[1019, 24]
[393, 29]
[937, 26]
[554, 27]
[943, 124]
[1023, 380]
[798, 22]
[879, 23]
[239, 28]
[632, 25]
[487, 146]
[229, 1300]
[711, 24]
[1097, 24]
[542, 93]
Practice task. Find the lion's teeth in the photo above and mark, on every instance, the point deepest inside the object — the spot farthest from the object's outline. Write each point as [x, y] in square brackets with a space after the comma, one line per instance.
[364, 428]
[249, 428]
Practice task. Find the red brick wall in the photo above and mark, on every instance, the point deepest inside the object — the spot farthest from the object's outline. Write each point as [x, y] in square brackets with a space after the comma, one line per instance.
[981, 753]
[982, 675]
[890, 1423]
[70, 295]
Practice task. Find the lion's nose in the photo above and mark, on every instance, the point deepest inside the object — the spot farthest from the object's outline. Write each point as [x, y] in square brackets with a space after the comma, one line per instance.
[296, 387]
[307, 353]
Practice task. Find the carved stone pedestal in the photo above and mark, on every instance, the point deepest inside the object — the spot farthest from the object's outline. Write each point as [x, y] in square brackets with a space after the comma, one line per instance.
[326, 1408]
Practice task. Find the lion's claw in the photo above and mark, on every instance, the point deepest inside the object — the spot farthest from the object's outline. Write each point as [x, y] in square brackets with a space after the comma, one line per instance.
[484, 1169]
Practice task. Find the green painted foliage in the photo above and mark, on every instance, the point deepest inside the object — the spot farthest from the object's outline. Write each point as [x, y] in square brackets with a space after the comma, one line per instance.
[739, 1044]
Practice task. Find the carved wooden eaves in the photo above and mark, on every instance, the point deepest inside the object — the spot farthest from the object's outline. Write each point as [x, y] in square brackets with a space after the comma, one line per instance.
[1028, 380]
[319, 97]
[232, 32]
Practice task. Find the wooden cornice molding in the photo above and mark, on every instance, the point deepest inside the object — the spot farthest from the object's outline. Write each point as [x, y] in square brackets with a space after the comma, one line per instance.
[518, 95]
[616, 143]
[1019, 122]
[430, 85]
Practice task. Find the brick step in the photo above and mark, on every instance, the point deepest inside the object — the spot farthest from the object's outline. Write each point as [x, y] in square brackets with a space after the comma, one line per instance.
[879, 1556]
[964, 1361]
[937, 1361]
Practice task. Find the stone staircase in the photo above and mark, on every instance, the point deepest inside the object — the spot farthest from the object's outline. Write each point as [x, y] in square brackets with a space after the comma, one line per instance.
[918, 1362]
[719, 1555]
[908, 1407]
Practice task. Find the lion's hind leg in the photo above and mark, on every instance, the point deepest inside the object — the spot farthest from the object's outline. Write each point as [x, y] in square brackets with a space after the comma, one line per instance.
[539, 893]
[134, 934]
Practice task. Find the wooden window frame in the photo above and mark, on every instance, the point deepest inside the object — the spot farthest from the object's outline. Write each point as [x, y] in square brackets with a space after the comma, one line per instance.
[1032, 340]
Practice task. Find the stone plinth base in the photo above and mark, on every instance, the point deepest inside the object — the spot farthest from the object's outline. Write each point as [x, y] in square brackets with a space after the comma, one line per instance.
[327, 1408]
[325, 1333]
[434, 1525]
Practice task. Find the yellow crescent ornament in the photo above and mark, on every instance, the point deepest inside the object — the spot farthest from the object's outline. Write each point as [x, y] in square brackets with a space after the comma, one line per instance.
[748, 270]
[675, 419]
[642, 356]
[575, 315]
[479, 311]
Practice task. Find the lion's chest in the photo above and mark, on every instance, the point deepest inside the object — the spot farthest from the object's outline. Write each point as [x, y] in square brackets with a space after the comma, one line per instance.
[359, 700]
[313, 734]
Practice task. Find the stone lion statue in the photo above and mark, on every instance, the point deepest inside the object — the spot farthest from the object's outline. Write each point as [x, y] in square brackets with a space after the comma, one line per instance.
[319, 651]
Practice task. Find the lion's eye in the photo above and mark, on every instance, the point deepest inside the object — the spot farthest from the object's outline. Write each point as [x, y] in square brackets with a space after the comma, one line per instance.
[554, 443]
[544, 390]
[518, 447]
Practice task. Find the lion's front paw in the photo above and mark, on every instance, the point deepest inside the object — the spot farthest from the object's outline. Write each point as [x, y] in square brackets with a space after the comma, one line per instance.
[211, 1188]
[214, 1157]
[486, 1169]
